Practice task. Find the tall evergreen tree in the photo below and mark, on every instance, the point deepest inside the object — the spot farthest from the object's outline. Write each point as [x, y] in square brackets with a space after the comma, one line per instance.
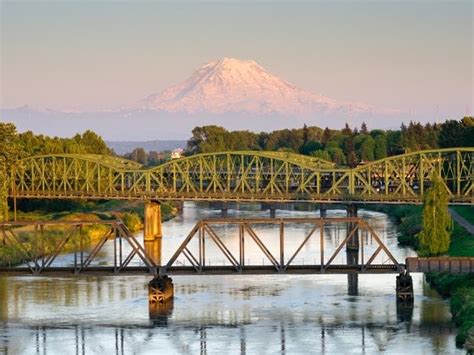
[435, 235]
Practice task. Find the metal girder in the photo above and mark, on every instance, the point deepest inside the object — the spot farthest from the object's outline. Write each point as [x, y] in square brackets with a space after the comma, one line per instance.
[246, 176]
[246, 230]
[41, 249]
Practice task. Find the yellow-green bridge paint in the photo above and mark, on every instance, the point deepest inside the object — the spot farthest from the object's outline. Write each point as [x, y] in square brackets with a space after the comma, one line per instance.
[246, 176]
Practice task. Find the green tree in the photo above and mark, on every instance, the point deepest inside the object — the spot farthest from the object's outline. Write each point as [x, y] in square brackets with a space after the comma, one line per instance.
[435, 236]
[310, 146]
[9, 153]
[367, 149]
[380, 151]
[322, 154]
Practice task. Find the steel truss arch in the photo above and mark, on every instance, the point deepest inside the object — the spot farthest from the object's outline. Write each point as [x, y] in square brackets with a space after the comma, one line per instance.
[246, 176]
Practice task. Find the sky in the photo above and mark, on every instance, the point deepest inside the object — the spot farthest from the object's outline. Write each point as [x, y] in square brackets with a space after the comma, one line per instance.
[92, 55]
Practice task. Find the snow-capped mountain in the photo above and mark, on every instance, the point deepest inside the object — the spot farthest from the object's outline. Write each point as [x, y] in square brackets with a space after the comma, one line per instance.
[231, 85]
[235, 94]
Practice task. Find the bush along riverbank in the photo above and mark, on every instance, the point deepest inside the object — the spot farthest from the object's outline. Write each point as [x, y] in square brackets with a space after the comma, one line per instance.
[131, 213]
[459, 288]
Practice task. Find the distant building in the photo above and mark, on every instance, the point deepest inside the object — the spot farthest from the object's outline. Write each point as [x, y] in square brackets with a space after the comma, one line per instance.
[177, 153]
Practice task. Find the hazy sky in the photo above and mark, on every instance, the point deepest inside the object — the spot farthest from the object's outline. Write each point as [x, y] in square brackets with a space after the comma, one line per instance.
[90, 55]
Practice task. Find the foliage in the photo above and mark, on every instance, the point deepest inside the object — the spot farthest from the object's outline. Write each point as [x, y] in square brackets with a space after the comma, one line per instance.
[132, 221]
[435, 235]
[86, 143]
[9, 153]
[457, 133]
[380, 150]
[346, 146]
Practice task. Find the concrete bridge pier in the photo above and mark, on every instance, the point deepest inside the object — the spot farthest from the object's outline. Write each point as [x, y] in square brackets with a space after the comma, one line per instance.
[160, 291]
[352, 251]
[353, 242]
[224, 209]
[404, 288]
[322, 210]
[272, 211]
[152, 234]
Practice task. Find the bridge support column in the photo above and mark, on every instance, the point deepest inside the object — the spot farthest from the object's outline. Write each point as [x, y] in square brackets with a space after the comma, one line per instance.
[353, 242]
[224, 209]
[160, 291]
[272, 211]
[322, 210]
[152, 235]
[405, 288]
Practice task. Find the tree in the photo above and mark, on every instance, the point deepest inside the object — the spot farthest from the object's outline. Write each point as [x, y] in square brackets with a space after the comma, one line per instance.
[380, 151]
[9, 153]
[363, 128]
[322, 154]
[454, 133]
[367, 149]
[139, 155]
[310, 147]
[337, 155]
[326, 136]
[305, 134]
[435, 235]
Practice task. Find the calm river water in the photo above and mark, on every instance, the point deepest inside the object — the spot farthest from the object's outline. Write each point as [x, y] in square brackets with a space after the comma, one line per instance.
[226, 314]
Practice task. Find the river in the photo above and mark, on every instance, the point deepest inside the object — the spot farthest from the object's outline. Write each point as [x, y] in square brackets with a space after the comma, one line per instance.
[237, 314]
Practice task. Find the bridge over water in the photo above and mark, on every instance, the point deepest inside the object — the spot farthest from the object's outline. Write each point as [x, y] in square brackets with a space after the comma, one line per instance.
[247, 176]
[130, 257]
[267, 177]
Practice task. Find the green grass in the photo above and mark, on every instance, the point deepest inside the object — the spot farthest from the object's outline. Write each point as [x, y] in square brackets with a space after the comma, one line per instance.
[467, 212]
[462, 242]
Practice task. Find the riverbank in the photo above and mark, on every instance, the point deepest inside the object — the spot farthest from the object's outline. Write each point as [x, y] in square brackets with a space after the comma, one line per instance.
[458, 288]
[130, 212]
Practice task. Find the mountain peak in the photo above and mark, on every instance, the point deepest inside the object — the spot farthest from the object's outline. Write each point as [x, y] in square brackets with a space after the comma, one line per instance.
[231, 85]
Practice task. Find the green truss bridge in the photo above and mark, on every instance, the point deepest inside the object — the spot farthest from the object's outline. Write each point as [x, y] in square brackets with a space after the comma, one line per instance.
[247, 176]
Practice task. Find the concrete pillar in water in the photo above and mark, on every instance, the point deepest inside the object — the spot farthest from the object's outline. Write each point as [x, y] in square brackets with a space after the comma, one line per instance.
[404, 288]
[322, 210]
[272, 211]
[224, 209]
[353, 242]
[160, 291]
[152, 235]
[352, 251]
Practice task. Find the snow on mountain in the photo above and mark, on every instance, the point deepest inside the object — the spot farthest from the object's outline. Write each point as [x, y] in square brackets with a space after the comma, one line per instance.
[242, 86]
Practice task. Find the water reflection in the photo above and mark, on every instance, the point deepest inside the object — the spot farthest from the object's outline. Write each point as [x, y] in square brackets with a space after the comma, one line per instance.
[233, 314]
[280, 337]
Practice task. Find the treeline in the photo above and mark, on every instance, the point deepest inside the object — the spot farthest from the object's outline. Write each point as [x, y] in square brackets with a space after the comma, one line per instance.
[349, 146]
[151, 158]
[14, 146]
[85, 143]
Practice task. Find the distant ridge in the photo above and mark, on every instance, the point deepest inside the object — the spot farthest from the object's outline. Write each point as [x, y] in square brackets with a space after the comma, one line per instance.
[122, 147]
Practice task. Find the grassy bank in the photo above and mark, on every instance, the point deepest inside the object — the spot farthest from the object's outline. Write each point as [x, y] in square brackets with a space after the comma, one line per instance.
[458, 287]
[131, 212]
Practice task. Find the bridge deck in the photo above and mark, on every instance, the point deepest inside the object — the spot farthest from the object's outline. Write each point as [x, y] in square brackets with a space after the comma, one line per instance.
[208, 270]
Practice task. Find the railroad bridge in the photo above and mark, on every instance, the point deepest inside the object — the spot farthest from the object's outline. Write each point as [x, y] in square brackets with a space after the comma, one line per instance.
[267, 177]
